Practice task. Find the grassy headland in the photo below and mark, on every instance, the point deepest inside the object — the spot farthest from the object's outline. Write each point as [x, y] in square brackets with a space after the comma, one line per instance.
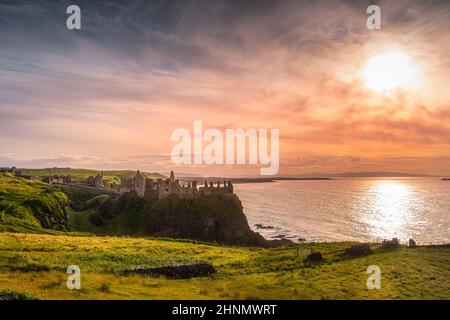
[35, 251]
[32, 206]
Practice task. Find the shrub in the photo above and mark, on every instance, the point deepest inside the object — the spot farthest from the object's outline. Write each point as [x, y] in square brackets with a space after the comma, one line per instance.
[315, 257]
[358, 250]
[390, 244]
[105, 287]
[106, 209]
[96, 220]
[181, 271]
[15, 295]
[96, 201]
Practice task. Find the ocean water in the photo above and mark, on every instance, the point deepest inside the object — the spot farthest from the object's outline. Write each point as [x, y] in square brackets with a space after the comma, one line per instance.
[362, 209]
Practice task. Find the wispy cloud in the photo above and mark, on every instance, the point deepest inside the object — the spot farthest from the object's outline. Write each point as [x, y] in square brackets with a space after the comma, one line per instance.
[139, 69]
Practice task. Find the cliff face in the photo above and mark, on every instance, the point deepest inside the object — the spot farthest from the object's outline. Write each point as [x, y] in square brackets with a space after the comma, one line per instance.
[52, 210]
[26, 205]
[217, 218]
[214, 218]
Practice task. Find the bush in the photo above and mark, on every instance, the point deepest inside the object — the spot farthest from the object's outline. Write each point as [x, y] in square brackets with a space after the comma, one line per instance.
[181, 271]
[105, 287]
[358, 250]
[106, 209]
[15, 295]
[96, 220]
[315, 257]
[390, 244]
[96, 201]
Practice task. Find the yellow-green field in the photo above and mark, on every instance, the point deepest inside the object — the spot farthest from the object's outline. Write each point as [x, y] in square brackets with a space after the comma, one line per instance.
[36, 264]
[84, 173]
[111, 178]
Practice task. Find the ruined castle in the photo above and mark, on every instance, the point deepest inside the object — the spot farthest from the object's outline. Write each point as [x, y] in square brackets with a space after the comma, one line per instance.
[164, 187]
[96, 181]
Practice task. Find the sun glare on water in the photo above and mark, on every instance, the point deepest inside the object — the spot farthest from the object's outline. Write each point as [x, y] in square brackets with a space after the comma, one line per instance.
[389, 71]
[392, 207]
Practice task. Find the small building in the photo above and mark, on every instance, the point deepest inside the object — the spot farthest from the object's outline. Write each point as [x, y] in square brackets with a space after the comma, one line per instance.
[16, 172]
[61, 179]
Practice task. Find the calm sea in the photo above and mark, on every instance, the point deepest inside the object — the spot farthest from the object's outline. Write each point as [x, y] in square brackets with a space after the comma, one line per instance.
[350, 209]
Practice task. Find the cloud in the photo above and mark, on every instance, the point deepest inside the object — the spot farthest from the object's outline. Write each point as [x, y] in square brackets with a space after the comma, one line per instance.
[140, 69]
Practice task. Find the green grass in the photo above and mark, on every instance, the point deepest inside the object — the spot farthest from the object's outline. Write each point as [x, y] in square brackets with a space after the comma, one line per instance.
[84, 173]
[31, 205]
[33, 260]
[110, 177]
[130, 223]
[96, 201]
[13, 295]
[36, 264]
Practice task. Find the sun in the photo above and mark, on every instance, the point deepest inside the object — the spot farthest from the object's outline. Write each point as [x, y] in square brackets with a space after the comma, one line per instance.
[389, 71]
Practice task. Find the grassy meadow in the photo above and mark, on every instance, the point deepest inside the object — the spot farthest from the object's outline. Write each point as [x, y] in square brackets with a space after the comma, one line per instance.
[110, 177]
[84, 173]
[37, 245]
[35, 265]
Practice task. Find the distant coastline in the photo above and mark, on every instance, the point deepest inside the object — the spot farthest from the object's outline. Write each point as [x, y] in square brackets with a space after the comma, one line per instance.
[265, 180]
[310, 176]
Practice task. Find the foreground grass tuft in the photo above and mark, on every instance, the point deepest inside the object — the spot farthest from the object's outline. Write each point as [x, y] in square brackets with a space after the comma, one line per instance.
[7, 294]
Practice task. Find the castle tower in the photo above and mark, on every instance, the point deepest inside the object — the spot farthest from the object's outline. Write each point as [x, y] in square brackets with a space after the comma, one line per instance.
[230, 187]
[172, 176]
[139, 183]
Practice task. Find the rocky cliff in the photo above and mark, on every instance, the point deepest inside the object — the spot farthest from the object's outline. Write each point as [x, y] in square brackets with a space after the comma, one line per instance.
[214, 218]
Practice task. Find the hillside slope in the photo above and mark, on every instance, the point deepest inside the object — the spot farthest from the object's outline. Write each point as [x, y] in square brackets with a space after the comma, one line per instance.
[31, 206]
[34, 206]
[214, 218]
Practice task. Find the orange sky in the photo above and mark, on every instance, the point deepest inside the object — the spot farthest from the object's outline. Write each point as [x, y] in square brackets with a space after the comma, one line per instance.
[110, 95]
